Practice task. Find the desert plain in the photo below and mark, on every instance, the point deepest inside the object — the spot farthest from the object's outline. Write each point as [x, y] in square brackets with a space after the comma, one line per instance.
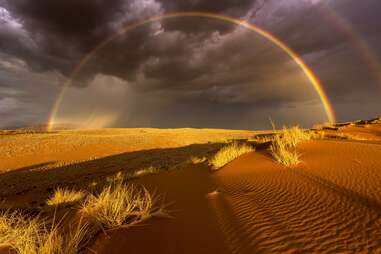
[328, 201]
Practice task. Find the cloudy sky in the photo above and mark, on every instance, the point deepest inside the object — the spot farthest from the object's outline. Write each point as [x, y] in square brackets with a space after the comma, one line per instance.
[187, 71]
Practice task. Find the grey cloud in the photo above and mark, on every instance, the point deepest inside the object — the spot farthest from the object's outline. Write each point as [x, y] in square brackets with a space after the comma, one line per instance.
[192, 61]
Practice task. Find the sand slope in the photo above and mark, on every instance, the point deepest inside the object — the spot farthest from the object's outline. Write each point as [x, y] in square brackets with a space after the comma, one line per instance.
[329, 204]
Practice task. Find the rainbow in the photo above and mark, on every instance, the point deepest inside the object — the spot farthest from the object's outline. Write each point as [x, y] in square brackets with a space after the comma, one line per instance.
[364, 51]
[277, 42]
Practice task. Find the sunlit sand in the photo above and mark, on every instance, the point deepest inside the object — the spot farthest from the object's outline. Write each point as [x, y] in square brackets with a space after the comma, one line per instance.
[330, 201]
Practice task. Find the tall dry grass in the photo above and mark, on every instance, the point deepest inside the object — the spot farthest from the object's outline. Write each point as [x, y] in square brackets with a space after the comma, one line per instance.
[22, 234]
[283, 153]
[112, 205]
[118, 204]
[229, 153]
[63, 196]
[283, 147]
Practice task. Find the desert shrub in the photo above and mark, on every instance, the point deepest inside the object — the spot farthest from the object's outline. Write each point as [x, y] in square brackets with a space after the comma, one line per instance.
[229, 153]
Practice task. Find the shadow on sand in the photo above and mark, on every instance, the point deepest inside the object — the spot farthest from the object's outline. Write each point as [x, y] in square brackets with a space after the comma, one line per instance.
[41, 179]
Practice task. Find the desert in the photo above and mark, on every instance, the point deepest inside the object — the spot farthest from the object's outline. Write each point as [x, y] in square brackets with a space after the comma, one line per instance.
[252, 202]
[190, 127]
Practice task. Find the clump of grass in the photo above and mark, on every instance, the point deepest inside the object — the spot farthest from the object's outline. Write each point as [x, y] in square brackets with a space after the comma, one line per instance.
[118, 177]
[284, 153]
[146, 171]
[112, 206]
[262, 139]
[124, 176]
[119, 204]
[338, 135]
[349, 136]
[32, 235]
[197, 160]
[294, 136]
[62, 196]
[229, 153]
[283, 146]
[325, 126]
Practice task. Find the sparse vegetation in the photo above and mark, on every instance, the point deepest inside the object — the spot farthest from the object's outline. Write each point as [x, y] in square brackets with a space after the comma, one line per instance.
[112, 205]
[284, 153]
[62, 196]
[349, 136]
[24, 235]
[197, 160]
[294, 136]
[283, 146]
[229, 153]
[118, 177]
[262, 139]
[146, 171]
[325, 126]
[337, 135]
[118, 204]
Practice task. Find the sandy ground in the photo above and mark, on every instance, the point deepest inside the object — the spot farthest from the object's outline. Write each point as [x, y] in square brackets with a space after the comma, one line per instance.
[330, 203]
[20, 149]
[32, 164]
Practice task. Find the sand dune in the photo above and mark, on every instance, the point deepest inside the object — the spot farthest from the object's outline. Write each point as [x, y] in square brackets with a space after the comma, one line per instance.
[330, 203]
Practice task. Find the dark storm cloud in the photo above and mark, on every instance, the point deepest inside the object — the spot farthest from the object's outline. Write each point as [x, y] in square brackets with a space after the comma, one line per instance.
[334, 37]
[67, 29]
[194, 60]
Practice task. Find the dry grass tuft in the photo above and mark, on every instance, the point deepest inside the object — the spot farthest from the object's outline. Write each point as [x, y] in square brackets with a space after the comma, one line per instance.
[119, 204]
[118, 177]
[283, 147]
[294, 136]
[125, 176]
[338, 135]
[284, 153]
[24, 235]
[63, 196]
[325, 126]
[229, 153]
[262, 139]
[146, 171]
[197, 160]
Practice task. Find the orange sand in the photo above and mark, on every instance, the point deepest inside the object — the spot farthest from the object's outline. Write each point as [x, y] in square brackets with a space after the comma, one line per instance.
[330, 203]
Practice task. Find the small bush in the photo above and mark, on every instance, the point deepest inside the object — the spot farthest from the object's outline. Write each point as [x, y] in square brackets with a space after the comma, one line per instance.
[229, 153]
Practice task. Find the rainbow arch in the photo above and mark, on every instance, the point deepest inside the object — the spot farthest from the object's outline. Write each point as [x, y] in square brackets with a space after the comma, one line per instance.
[291, 53]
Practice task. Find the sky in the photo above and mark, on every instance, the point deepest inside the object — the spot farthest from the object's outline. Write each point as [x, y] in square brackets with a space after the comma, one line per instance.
[186, 71]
